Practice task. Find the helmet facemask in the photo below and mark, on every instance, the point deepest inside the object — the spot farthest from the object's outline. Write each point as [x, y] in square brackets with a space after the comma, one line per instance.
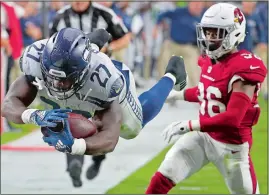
[61, 87]
[214, 40]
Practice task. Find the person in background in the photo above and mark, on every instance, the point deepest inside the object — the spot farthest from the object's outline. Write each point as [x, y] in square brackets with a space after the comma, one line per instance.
[11, 48]
[255, 40]
[31, 23]
[183, 37]
[262, 50]
[89, 16]
[54, 6]
[133, 54]
[159, 43]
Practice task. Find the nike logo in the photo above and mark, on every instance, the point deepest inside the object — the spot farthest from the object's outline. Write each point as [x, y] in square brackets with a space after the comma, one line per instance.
[118, 90]
[240, 17]
[254, 67]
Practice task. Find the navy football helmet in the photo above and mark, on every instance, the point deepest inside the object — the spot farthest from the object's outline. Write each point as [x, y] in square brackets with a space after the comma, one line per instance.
[65, 63]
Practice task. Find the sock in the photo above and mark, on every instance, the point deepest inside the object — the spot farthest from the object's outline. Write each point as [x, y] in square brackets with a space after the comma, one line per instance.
[159, 184]
[152, 100]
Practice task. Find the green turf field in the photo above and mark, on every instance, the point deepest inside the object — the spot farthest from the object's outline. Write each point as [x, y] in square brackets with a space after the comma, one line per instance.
[208, 180]
[21, 130]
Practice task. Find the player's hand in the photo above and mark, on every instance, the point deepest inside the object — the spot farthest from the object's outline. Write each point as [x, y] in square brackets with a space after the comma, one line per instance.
[61, 140]
[45, 118]
[180, 128]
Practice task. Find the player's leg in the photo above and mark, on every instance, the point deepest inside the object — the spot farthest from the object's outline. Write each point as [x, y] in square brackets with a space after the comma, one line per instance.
[74, 167]
[152, 100]
[237, 168]
[137, 111]
[94, 168]
[186, 157]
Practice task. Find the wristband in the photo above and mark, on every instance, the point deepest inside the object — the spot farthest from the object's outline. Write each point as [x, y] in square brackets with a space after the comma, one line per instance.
[26, 116]
[194, 125]
[79, 147]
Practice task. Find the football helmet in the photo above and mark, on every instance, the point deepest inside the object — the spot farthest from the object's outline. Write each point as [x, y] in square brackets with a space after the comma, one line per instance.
[221, 29]
[65, 62]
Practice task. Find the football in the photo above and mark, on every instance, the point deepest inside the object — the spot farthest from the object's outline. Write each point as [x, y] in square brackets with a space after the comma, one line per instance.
[80, 126]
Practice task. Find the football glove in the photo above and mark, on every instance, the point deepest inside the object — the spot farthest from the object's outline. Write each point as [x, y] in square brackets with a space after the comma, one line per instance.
[45, 118]
[180, 128]
[63, 141]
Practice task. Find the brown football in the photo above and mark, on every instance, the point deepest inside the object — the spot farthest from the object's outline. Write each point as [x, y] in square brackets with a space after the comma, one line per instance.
[80, 126]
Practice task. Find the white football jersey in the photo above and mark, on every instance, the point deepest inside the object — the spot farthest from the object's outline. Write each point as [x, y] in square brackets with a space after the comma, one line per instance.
[105, 83]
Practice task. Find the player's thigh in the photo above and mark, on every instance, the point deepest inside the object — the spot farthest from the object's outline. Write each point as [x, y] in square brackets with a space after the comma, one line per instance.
[131, 111]
[186, 157]
[237, 169]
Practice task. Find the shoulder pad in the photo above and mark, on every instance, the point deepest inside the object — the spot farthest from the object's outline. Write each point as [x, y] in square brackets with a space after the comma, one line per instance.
[30, 59]
[248, 66]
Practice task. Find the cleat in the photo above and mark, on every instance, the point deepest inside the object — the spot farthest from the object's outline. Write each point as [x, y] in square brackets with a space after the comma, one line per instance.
[176, 67]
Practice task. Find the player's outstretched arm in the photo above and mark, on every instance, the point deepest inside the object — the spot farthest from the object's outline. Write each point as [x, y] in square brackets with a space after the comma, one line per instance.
[237, 107]
[107, 138]
[20, 95]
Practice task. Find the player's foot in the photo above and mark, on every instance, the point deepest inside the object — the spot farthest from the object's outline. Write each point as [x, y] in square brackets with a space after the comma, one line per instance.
[74, 170]
[176, 67]
[93, 170]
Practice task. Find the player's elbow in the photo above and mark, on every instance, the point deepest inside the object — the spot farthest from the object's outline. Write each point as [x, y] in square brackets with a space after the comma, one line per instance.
[111, 144]
[233, 122]
[4, 109]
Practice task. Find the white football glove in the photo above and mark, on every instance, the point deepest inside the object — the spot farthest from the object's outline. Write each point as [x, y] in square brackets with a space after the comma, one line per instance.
[180, 128]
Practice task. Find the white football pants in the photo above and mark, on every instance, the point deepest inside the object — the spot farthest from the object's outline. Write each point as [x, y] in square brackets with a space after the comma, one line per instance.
[195, 149]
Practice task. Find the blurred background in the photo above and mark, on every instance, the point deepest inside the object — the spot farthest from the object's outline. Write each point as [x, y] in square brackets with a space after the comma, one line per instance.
[148, 34]
[154, 31]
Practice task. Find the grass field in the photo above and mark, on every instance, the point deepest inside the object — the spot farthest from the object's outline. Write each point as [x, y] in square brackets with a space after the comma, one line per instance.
[22, 130]
[11, 136]
[208, 180]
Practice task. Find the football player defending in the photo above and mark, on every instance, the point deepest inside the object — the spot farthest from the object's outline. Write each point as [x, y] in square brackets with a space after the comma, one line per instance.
[227, 93]
[69, 73]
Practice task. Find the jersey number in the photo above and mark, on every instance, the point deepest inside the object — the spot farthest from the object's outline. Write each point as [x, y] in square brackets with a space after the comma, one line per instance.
[250, 55]
[97, 75]
[207, 102]
[36, 52]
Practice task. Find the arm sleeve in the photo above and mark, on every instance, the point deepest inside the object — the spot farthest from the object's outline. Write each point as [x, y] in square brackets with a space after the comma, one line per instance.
[191, 94]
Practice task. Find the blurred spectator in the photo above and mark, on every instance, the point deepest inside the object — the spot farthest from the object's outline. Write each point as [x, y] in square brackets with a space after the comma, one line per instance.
[254, 27]
[133, 55]
[13, 33]
[54, 6]
[256, 39]
[11, 47]
[30, 23]
[262, 51]
[183, 38]
[156, 43]
[88, 16]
